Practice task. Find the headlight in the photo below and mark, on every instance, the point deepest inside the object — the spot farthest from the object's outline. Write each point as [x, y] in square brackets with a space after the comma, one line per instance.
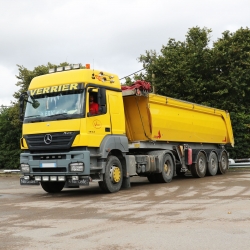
[76, 167]
[25, 168]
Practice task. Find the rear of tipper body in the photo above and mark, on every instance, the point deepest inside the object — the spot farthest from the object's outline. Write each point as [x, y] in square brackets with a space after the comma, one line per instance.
[134, 133]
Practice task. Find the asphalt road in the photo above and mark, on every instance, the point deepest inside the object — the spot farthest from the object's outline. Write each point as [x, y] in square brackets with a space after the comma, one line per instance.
[208, 213]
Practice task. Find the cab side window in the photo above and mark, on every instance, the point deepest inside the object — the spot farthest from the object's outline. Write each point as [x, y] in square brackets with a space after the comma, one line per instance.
[97, 101]
[93, 104]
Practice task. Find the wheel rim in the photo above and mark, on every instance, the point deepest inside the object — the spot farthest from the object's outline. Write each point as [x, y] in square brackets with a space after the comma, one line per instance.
[202, 164]
[115, 174]
[213, 164]
[166, 167]
[223, 162]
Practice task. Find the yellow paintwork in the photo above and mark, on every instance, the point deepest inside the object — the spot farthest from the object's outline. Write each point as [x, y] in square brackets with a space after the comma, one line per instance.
[116, 110]
[51, 126]
[23, 143]
[162, 118]
[74, 76]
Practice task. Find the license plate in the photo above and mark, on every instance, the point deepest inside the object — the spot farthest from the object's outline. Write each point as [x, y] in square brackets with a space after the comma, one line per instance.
[82, 182]
[28, 182]
[48, 165]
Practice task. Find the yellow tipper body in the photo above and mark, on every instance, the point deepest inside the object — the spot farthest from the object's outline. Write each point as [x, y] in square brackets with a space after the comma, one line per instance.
[160, 118]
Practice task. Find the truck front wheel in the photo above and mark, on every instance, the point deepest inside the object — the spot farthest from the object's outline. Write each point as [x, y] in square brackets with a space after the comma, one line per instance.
[52, 187]
[112, 179]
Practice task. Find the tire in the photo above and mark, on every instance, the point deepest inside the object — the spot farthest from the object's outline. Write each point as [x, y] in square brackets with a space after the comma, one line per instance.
[212, 167]
[199, 168]
[223, 164]
[101, 186]
[112, 179]
[167, 170]
[52, 187]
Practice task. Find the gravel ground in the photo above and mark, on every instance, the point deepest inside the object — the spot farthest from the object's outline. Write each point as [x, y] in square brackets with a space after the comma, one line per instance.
[188, 213]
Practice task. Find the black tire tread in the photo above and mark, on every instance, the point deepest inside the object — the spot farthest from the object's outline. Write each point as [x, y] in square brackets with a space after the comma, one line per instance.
[195, 171]
[210, 171]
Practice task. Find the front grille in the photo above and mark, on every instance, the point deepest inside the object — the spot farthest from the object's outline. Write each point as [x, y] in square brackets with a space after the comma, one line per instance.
[62, 140]
[50, 170]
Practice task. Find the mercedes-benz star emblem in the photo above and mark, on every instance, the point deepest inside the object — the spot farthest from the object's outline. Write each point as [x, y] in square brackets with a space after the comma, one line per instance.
[48, 139]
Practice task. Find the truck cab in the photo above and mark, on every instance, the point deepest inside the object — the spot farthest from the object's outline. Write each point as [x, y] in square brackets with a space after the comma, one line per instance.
[63, 143]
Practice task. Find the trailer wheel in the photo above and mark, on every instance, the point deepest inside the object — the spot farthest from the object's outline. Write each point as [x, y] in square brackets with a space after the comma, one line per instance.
[223, 164]
[199, 168]
[212, 167]
[112, 179]
[52, 187]
[167, 170]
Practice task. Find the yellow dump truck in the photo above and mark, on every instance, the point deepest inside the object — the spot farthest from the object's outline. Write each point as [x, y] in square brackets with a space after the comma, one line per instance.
[134, 133]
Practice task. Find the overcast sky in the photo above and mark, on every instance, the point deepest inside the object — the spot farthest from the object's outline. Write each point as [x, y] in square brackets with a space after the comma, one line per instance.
[108, 34]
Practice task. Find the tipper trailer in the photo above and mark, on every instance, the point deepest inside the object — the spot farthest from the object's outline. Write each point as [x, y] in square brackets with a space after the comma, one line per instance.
[135, 133]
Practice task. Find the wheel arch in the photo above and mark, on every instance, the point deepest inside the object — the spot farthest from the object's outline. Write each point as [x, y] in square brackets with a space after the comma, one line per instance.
[161, 154]
[220, 154]
[120, 155]
[111, 143]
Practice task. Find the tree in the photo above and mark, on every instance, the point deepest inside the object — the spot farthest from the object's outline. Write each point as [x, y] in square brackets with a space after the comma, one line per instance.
[10, 135]
[216, 76]
[232, 64]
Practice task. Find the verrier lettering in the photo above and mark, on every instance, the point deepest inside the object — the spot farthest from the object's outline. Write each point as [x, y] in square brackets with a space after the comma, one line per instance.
[33, 91]
[73, 86]
[46, 90]
[65, 87]
[39, 91]
[52, 89]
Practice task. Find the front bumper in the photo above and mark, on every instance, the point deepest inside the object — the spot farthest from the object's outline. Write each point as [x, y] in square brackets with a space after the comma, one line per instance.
[55, 163]
[70, 181]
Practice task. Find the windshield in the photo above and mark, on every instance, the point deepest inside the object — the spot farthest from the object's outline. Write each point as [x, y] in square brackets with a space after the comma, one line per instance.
[63, 105]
